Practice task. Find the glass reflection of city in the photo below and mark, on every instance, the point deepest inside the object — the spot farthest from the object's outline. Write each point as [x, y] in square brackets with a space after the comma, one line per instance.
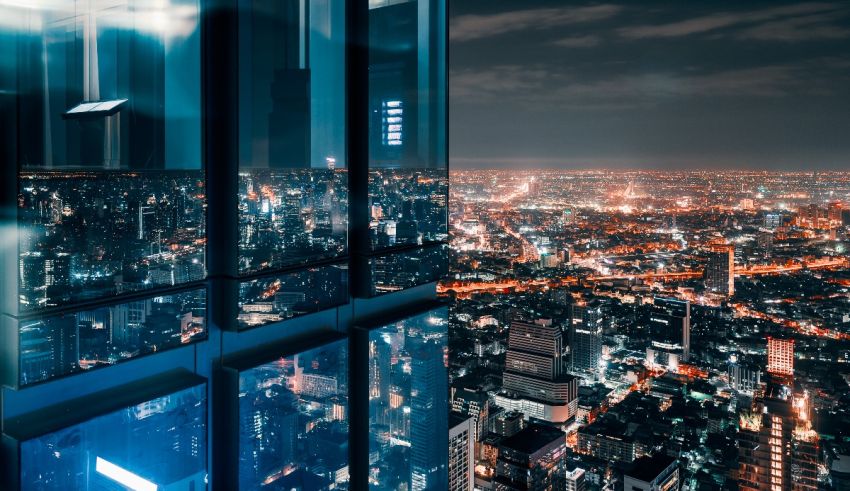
[58, 345]
[280, 297]
[293, 420]
[158, 444]
[407, 387]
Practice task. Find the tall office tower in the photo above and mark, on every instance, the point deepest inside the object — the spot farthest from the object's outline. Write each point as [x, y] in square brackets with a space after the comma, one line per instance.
[670, 332]
[428, 391]
[780, 356]
[720, 270]
[586, 336]
[534, 458]
[772, 220]
[659, 472]
[777, 447]
[535, 381]
[461, 452]
[744, 377]
[471, 402]
[575, 480]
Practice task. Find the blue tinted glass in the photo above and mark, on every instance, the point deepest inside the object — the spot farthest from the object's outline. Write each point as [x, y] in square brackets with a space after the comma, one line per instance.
[408, 183]
[87, 235]
[293, 422]
[111, 191]
[280, 297]
[293, 186]
[408, 403]
[63, 344]
[159, 444]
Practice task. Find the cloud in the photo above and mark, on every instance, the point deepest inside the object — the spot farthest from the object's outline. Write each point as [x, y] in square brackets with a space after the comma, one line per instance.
[471, 27]
[811, 27]
[578, 42]
[714, 22]
[497, 81]
[545, 88]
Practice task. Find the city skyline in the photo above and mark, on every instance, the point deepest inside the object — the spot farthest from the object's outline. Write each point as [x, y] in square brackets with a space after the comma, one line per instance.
[725, 85]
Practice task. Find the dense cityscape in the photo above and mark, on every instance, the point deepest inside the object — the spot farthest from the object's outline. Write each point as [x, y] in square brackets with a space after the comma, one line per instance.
[649, 330]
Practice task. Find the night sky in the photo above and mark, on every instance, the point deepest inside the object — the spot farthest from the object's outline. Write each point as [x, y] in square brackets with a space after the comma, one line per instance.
[669, 85]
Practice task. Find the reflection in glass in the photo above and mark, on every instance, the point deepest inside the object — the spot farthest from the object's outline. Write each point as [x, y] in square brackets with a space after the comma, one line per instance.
[63, 344]
[408, 403]
[110, 195]
[401, 270]
[408, 192]
[159, 444]
[108, 84]
[276, 298]
[293, 187]
[293, 420]
[407, 206]
[86, 235]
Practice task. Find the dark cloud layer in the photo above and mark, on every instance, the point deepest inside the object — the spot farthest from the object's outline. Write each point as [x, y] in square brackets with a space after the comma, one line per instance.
[688, 84]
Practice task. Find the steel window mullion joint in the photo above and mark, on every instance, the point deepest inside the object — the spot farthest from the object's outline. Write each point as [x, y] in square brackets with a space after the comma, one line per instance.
[220, 65]
[357, 138]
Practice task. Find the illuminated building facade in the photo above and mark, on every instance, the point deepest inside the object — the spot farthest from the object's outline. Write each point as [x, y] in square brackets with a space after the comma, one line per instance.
[720, 270]
[535, 373]
[461, 452]
[780, 356]
[585, 338]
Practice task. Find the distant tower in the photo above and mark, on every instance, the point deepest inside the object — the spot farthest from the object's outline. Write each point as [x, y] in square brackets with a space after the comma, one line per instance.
[586, 337]
[720, 270]
[780, 356]
[670, 330]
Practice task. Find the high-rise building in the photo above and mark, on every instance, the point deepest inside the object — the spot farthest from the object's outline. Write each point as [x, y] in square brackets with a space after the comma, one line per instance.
[720, 270]
[534, 458]
[777, 447]
[780, 356]
[471, 402]
[744, 377]
[535, 380]
[461, 453]
[575, 480]
[428, 410]
[586, 337]
[670, 332]
[658, 472]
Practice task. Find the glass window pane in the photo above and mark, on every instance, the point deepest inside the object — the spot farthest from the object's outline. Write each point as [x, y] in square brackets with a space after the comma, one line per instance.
[159, 444]
[293, 419]
[408, 182]
[401, 270]
[408, 403]
[111, 187]
[60, 345]
[293, 186]
[277, 298]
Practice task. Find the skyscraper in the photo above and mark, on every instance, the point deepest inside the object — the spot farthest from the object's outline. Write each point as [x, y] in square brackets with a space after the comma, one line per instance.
[461, 452]
[777, 447]
[720, 270]
[780, 356]
[534, 458]
[670, 332]
[535, 381]
[428, 410]
[586, 337]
